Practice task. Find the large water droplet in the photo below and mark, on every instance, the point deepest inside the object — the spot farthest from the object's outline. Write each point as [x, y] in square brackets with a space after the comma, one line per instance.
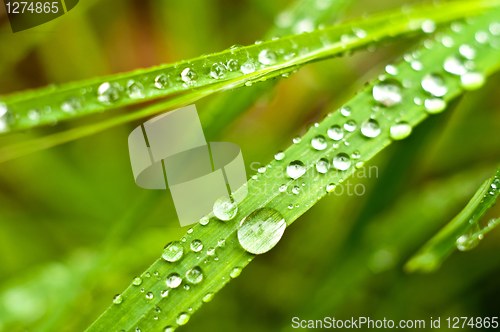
[267, 57]
[370, 128]
[173, 251]
[261, 230]
[295, 169]
[108, 93]
[350, 126]
[135, 90]
[196, 245]
[342, 161]
[434, 84]
[400, 131]
[467, 242]
[117, 299]
[319, 143]
[467, 51]
[225, 209]
[218, 70]
[189, 76]
[387, 93]
[194, 275]
[183, 318]
[173, 280]
[434, 105]
[472, 80]
[137, 281]
[455, 65]
[322, 166]
[161, 81]
[247, 67]
[335, 132]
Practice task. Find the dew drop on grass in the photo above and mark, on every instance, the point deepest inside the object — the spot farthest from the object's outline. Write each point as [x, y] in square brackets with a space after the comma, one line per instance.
[345, 111]
[295, 190]
[161, 81]
[454, 65]
[319, 143]
[149, 296]
[137, 281]
[350, 126]
[135, 90]
[164, 293]
[71, 105]
[295, 169]
[335, 132]
[341, 161]
[189, 76]
[235, 272]
[173, 251]
[218, 70]
[296, 140]
[467, 51]
[194, 275]
[117, 299]
[391, 70]
[108, 93]
[247, 67]
[261, 230]
[169, 329]
[208, 297]
[173, 280]
[322, 166]
[467, 242]
[225, 209]
[330, 187]
[434, 84]
[267, 57]
[387, 93]
[204, 221]
[232, 65]
[183, 318]
[280, 155]
[434, 105]
[400, 131]
[472, 80]
[196, 245]
[370, 128]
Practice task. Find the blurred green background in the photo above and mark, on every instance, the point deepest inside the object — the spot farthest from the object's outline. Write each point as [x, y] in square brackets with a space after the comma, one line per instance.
[75, 229]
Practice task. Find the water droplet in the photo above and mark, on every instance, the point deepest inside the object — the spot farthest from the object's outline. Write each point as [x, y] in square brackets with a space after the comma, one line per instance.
[71, 105]
[428, 26]
[455, 65]
[350, 126]
[296, 140]
[169, 329]
[330, 187]
[335, 132]
[194, 275]
[161, 81]
[481, 37]
[467, 242]
[342, 161]
[225, 209]
[280, 155]
[391, 70]
[208, 297]
[304, 25]
[400, 131]
[387, 93]
[262, 169]
[416, 65]
[434, 105]
[319, 143]
[267, 57]
[467, 51]
[135, 90]
[494, 28]
[34, 115]
[282, 188]
[232, 65]
[218, 70]
[108, 93]
[196, 245]
[211, 251]
[261, 230]
[183, 318]
[434, 84]
[164, 293]
[117, 299]
[247, 67]
[137, 281]
[322, 166]
[173, 251]
[295, 190]
[295, 169]
[149, 296]
[235, 272]
[189, 76]
[472, 80]
[345, 111]
[173, 280]
[370, 128]
[204, 221]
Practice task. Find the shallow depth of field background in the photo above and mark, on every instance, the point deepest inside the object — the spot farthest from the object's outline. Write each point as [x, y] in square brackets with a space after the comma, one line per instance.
[63, 209]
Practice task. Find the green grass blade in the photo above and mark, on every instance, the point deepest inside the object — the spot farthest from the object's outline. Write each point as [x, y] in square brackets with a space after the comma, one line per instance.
[405, 104]
[463, 232]
[220, 71]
